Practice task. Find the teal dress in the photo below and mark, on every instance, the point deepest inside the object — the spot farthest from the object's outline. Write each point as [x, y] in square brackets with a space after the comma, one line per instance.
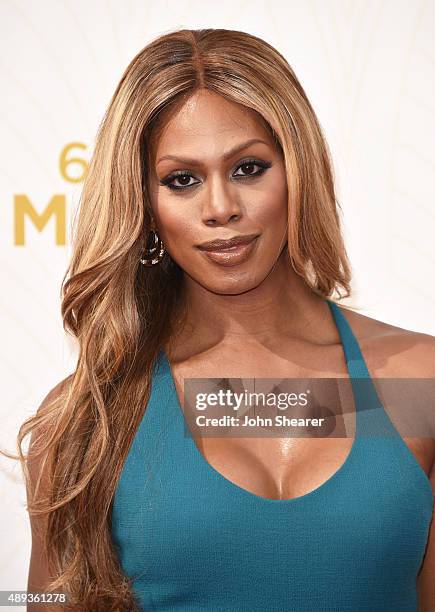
[193, 541]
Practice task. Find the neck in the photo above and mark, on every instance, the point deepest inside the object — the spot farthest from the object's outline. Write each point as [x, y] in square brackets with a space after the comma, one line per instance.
[281, 305]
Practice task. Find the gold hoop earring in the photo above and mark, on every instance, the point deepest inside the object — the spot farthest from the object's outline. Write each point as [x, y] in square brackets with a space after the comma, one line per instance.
[153, 254]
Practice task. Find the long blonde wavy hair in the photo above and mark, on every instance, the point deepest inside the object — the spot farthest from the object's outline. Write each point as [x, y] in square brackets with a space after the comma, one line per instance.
[121, 313]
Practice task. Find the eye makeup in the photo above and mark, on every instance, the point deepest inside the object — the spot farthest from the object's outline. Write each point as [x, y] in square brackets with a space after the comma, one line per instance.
[168, 180]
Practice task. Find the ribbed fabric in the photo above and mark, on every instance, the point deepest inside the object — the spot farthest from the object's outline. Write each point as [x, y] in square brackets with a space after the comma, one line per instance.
[191, 540]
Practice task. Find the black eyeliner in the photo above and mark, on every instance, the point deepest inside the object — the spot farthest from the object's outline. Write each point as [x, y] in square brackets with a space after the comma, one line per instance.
[262, 164]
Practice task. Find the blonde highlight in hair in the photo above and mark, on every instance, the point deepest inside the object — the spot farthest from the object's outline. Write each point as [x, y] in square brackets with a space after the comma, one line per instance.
[122, 313]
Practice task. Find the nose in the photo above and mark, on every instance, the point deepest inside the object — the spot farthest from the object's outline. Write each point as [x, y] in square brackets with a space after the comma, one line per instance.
[220, 205]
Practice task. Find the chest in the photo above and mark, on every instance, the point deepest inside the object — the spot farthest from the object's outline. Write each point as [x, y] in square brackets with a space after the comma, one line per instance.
[289, 466]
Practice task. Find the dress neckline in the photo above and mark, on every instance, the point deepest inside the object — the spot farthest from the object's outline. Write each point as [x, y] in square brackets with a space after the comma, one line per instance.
[357, 372]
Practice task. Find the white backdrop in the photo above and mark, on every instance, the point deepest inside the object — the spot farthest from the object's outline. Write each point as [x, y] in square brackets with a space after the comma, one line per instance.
[368, 69]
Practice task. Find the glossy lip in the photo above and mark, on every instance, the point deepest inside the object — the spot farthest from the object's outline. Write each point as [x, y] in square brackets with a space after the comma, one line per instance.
[220, 244]
[232, 256]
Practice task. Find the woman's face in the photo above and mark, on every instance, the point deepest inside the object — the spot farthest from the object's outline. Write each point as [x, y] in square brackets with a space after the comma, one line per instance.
[208, 182]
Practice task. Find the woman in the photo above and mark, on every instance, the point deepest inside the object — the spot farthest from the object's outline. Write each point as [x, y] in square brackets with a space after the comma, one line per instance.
[210, 137]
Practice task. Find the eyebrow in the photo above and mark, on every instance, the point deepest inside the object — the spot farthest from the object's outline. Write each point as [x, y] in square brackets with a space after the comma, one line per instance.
[226, 156]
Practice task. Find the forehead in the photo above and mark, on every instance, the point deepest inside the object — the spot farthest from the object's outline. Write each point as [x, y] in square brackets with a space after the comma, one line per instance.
[209, 122]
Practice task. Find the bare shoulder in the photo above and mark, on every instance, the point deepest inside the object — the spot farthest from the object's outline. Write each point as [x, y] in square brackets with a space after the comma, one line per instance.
[56, 391]
[48, 400]
[396, 352]
[393, 351]
[39, 433]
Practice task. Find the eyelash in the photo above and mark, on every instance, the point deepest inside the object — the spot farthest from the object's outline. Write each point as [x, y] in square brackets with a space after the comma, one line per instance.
[168, 180]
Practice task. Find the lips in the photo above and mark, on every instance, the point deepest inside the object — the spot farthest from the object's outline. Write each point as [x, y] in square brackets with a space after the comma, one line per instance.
[225, 245]
[233, 255]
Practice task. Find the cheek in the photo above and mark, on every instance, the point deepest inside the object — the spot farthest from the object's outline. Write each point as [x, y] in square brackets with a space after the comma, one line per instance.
[272, 208]
[272, 202]
[176, 228]
[272, 213]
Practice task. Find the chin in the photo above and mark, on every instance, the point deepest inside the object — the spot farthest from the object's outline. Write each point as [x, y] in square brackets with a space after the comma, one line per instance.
[235, 284]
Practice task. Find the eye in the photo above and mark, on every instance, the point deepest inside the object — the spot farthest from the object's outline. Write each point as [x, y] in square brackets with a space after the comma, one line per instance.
[250, 163]
[184, 176]
[180, 175]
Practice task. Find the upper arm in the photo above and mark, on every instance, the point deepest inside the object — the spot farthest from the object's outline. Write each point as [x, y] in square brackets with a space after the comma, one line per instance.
[426, 577]
[39, 576]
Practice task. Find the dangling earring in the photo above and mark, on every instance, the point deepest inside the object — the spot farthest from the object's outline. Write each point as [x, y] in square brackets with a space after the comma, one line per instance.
[154, 253]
